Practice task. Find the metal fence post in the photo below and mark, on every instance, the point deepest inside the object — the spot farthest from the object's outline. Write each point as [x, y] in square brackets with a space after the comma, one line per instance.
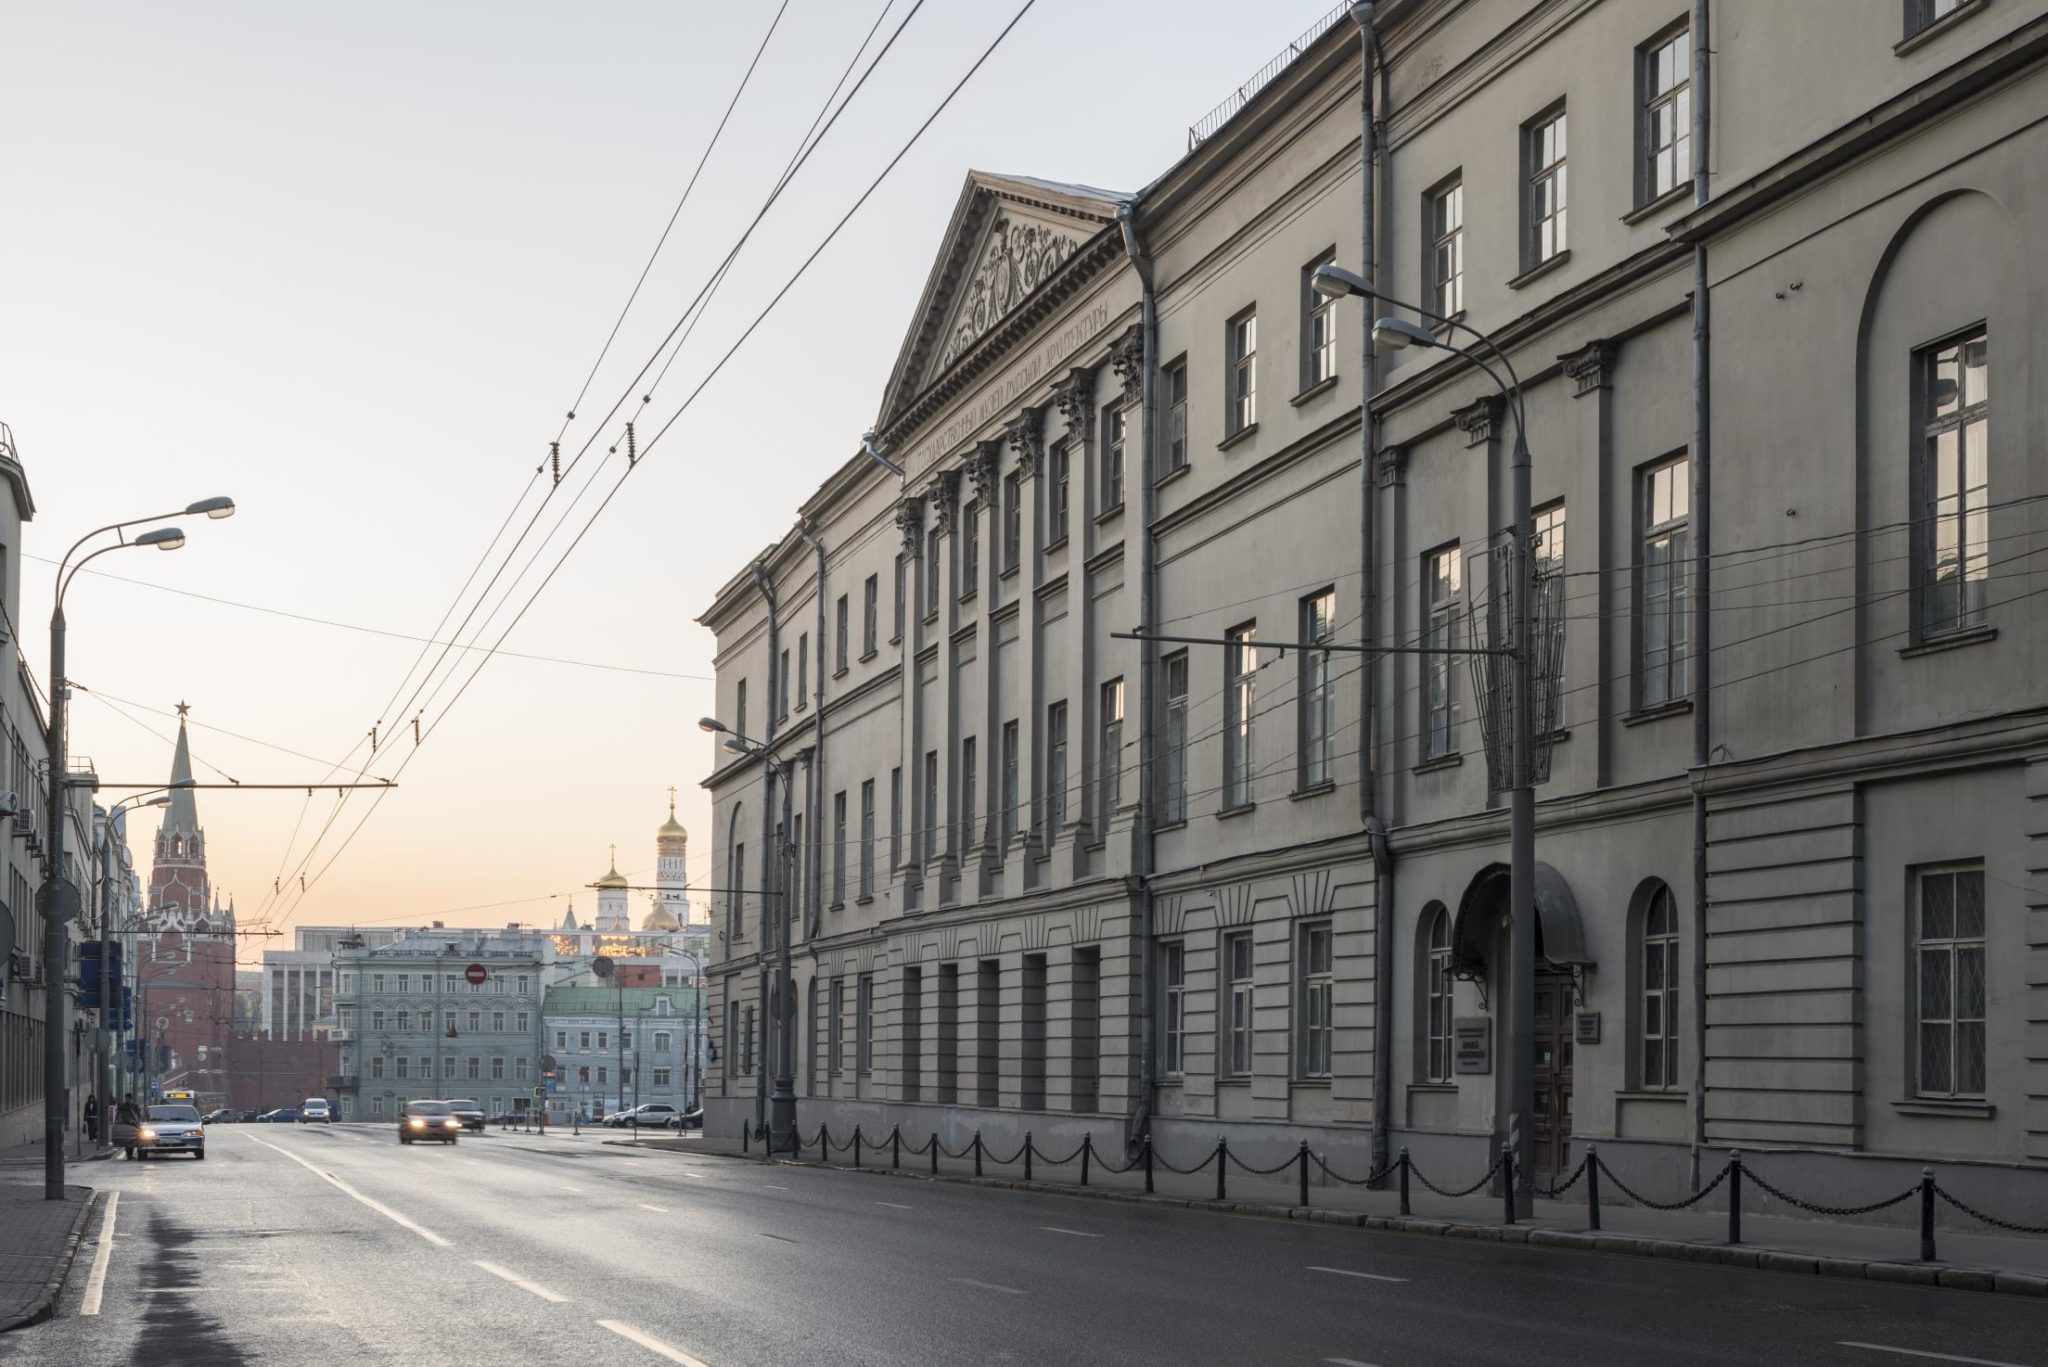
[824, 1142]
[1222, 1163]
[1927, 1215]
[746, 1134]
[1507, 1164]
[1148, 1165]
[935, 1153]
[1087, 1152]
[1735, 1196]
[1304, 1174]
[1027, 1155]
[1592, 1186]
[856, 1145]
[895, 1146]
[977, 1153]
[1404, 1179]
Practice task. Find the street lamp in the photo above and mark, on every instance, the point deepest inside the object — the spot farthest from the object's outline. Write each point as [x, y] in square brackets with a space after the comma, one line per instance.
[105, 1085]
[59, 895]
[1335, 282]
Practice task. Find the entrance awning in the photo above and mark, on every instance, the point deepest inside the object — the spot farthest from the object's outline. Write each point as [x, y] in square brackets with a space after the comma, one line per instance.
[1560, 933]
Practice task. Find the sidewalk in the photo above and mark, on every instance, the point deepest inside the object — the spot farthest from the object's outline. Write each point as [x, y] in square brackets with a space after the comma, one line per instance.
[1969, 1258]
[42, 1237]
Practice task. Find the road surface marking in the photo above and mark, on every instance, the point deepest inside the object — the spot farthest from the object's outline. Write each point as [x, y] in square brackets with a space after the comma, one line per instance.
[522, 1283]
[772, 1187]
[96, 1284]
[1916, 1353]
[1347, 1272]
[378, 1206]
[1346, 1362]
[1077, 1233]
[988, 1286]
[658, 1210]
[578, 1191]
[895, 1205]
[766, 1235]
[651, 1343]
[687, 1174]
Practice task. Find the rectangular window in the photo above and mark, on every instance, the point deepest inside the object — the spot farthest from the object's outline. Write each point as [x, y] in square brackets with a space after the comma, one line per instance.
[1010, 783]
[747, 1043]
[1176, 417]
[476, 1020]
[1237, 1010]
[1921, 13]
[663, 1041]
[561, 1040]
[933, 545]
[1953, 544]
[1316, 700]
[839, 847]
[970, 549]
[604, 1039]
[405, 982]
[969, 805]
[1664, 573]
[1172, 1008]
[895, 816]
[1115, 428]
[474, 1071]
[1241, 381]
[1547, 560]
[662, 1078]
[1664, 78]
[803, 669]
[902, 580]
[1545, 208]
[377, 983]
[1173, 766]
[1319, 328]
[864, 1023]
[839, 647]
[1949, 963]
[782, 687]
[1061, 463]
[798, 862]
[1445, 233]
[376, 1020]
[376, 1065]
[1013, 521]
[867, 837]
[1443, 605]
[929, 837]
[1110, 758]
[1240, 711]
[911, 1034]
[739, 715]
[870, 614]
[1055, 770]
[519, 1068]
[405, 1020]
[835, 1027]
[498, 1022]
[1318, 994]
[604, 1074]
[404, 1066]
[583, 1040]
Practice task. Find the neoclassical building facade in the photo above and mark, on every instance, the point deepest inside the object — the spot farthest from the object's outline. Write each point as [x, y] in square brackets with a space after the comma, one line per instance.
[1075, 829]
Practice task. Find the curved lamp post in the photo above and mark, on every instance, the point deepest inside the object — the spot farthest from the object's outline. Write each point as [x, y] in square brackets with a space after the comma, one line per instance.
[110, 1009]
[59, 895]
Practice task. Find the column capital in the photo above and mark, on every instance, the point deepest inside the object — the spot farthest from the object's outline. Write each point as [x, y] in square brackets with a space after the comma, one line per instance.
[1127, 357]
[982, 464]
[945, 498]
[1026, 435]
[1392, 466]
[1480, 419]
[1075, 396]
[910, 522]
[1591, 367]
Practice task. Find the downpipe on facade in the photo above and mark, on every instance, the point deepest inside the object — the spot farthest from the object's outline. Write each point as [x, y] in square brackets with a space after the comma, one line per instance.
[1702, 618]
[1139, 1124]
[815, 799]
[759, 569]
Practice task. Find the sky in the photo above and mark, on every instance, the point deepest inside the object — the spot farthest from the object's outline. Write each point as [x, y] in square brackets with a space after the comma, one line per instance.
[351, 266]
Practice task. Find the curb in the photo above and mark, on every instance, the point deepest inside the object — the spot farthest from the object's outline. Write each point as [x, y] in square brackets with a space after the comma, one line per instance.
[1585, 1241]
[46, 1304]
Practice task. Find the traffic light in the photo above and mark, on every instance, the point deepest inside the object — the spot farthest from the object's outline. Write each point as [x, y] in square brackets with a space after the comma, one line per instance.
[128, 1012]
[90, 977]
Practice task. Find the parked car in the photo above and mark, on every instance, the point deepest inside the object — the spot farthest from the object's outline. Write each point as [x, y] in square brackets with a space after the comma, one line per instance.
[169, 1129]
[282, 1116]
[687, 1120]
[653, 1113]
[470, 1113]
[222, 1116]
[315, 1112]
[428, 1120]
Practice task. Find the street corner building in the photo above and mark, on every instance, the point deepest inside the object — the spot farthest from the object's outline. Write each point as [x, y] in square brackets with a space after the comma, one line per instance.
[1111, 736]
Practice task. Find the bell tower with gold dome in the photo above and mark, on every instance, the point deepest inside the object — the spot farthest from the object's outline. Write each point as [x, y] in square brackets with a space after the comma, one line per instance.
[671, 910]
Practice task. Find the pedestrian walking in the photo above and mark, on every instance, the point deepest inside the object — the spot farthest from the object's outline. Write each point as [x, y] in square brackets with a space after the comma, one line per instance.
[92, 1119]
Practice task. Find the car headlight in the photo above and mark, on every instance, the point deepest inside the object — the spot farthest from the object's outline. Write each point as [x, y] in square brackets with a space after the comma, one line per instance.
[453, 1123]
[148, 1133]
[418, 1124]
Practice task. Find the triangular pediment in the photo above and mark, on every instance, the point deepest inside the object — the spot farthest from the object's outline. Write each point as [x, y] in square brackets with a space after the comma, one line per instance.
[1009, 235]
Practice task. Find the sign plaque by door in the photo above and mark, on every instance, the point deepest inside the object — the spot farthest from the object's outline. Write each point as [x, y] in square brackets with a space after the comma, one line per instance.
[1473, 1049]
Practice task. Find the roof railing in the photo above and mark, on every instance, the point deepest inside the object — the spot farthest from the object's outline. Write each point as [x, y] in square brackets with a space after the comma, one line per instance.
[1203, 127]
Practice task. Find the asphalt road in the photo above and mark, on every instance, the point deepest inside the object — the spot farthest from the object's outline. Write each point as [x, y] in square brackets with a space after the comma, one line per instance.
[334, 1244]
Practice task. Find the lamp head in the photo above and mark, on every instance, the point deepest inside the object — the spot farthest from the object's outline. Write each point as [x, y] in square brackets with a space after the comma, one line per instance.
[1334, 282]
[219, 507]
[163, 538]
[711, 724]
[1397, 334]
[734, 744]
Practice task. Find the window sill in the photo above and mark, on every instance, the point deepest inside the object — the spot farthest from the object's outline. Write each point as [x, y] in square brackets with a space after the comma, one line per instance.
[1673, 1096]
[870, 653]
[1430, 766]
[897, 639]
[1541, 269]
[1314, 391]
[1319, 1083]
[1677, 707]
[1010, 573]
[931, 619]
[1676, 194]
[1177, 472]
[1426, 1087]
[1109, 514]
[1323, 789]
[1949, 640]
[1932, 31]
[1448, 325]
[1057, 543]
[836, 906]
[864, 899]
[1233, 1082]
[1168, 1080]
[1242, 434]
[1962, 1108]
[1179, 825]
[1242, 809]
[969, 596]
[840, 672]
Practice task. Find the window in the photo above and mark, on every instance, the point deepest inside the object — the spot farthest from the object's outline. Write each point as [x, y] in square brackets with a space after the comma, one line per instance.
[663, 1041]
[1950, 964]
[735, 874]
[1954, 409]
[476, 1020]
[474, 1068]
[803, 669]
[377, 983]
[895, 816]
[1443, 587]
[797, 852]
[561, 1039]
[1547, 560]
[405, 1021]
[1664, 572]
[839, 847]
[525, 1022]
[1436, 994]
[1922, 13]
[1237, 968]
[1318, 988]
[867, 837]
[1176, 417]
[1110, 758]
[929, 837]
[1664, 76]
[1660, 991]
[1013, 521]
[969, 805]
[662, 1078]
[1445, 233]
[782, 687]
[604, 1039]
[1061, 461]
[1316, 703]
[583, 1072]
[835, 1028]
[839, 640]
[603, 1075]
[1318, 327]
[1010, 783]
[498, 1022]
[970, 549]
[522, 983]
[1241, 382]
[1115, 424]
[864, 1023]
[1172, 1008]
[870, 614]
[1055, 769]
[376, 1065]
[519, 1069]
[405, 982]
[376, 1020]
[1240, 709]
[1173, 768]
[1544, 209]
[902, 580]
[404, 1065]
[932, 547]
[583, 1041]
[747, 1042]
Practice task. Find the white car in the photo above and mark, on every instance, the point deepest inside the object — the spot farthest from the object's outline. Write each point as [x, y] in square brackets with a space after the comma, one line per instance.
[653, 1115]
[170, 1129]
[314, 1111]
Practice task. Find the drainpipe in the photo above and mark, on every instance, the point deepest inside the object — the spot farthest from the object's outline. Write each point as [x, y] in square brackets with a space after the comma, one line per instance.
[768, 859]
[1702, 564]
[1140, 1121]
[1369, 818]
[815, 800]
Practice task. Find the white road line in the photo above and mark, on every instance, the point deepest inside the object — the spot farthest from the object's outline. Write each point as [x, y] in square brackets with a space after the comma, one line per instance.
[1917, 1353]
[988, 1286]
[687, 1174]
[522, 1283]
[895, 1205]
[1347, 1272]
[772, 1187]
[576, 1191]
[378, 1206]
[1347, 1362]
[658, 1210]
[651, 1343]
[96, 1284]
[1077, 1233]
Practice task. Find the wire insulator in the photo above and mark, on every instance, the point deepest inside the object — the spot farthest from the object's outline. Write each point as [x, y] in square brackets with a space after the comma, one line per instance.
[632, 451]
[555, 459]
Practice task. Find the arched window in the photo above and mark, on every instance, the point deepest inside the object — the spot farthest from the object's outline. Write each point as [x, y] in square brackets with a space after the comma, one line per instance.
[1657, 1016]
[735, 874]
[1436, 992]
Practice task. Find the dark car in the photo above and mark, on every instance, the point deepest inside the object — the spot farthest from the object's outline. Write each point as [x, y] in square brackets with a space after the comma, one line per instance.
[470, 1113]
[687, 1120]
[223, 1116]
[286, 1116]
[428, 1120]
